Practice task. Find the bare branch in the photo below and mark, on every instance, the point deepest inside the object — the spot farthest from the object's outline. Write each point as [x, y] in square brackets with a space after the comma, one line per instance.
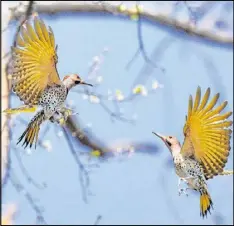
[26, 15]
[83, 173]
[113, 9]
[5, 104]
[98, 219]
[32, 202]
[129, 64]
[25, 172]
[157, 54]
[86, 139]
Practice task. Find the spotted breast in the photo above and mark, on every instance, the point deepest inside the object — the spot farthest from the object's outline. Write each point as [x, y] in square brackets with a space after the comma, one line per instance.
[53, 98]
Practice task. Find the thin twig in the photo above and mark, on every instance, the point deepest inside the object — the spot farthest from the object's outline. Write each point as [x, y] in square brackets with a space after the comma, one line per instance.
[25, 172]
[129, 64]
[141, 43]
[98, 219]
[83, 173]
[21, 189]
[157, 54]
[25, 18]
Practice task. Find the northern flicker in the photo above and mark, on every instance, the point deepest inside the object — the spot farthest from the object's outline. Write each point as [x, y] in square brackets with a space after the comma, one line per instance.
[206, 146]
[35, 78]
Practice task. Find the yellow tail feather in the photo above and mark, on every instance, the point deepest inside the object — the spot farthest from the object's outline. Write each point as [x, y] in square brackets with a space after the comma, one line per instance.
[226, 172]
[22, 109]
[205, 203]
[30, 135]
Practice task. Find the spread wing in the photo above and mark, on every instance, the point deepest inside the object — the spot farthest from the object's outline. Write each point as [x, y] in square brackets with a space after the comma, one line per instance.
[207, 133]
[34, 62]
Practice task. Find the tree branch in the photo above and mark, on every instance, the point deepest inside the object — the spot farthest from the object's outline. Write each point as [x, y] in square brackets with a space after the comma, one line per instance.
[83, 173]
[114, 9]
[4, 127]
[31, 201]
[5, 91]
[4, 102]
[140, 40]
[86, 139]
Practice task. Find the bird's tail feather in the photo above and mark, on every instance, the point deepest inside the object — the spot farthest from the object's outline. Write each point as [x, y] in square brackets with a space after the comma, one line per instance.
[22, 109]
[226, 172]
[205, 202]
[32, 131]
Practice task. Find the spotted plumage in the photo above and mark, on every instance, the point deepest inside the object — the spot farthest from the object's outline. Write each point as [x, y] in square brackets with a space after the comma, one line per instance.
[206, 146]
[35, 79]
[186, 167]
[53, 99]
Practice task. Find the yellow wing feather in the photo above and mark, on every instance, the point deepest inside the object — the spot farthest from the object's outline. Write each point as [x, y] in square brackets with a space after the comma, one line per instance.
[207, 133]
[21, 109]
[34, 62]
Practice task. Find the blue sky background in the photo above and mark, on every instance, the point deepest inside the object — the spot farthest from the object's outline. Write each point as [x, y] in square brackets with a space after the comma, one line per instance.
[141, 189]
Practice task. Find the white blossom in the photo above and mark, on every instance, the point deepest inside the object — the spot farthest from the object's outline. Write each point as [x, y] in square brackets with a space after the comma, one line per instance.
[119, 95]
[99, 79]
[94, 99]
[156, 85]
[47, 145]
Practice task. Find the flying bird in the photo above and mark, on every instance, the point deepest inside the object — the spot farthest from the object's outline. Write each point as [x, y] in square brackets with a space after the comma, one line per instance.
[205, 149]
[36, 81]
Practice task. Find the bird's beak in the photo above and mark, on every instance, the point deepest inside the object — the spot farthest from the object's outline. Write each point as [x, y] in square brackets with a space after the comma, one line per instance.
[85, 83]
[163, 138]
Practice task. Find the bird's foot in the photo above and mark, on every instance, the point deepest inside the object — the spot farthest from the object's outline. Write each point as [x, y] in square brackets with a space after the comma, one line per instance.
[67, 111]
[183, 191]
[62, 121]
[57, 117]
[61, 116]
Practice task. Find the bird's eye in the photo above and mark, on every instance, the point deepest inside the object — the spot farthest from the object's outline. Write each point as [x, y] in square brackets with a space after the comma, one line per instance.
[168, 143]
[170, 137]
[77, 82]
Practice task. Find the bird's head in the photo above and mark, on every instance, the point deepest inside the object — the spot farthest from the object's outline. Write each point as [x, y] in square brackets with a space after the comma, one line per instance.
[171, 142]
[72, 80]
